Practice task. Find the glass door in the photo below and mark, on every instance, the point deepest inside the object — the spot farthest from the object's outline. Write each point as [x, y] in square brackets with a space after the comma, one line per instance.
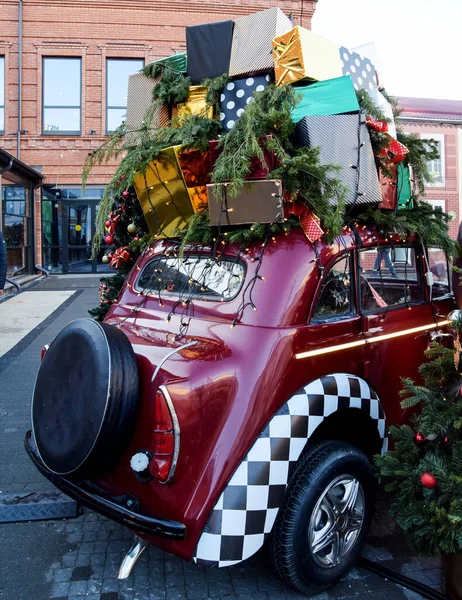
[78, 225]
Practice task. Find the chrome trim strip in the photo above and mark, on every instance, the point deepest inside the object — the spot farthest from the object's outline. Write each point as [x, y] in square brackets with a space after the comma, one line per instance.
[176, 432]
[168, 355]
[379, 338]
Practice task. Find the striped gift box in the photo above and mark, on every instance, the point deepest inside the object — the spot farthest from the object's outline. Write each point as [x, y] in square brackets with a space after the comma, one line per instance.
[139, 99]
[337, 138]
[252, 41]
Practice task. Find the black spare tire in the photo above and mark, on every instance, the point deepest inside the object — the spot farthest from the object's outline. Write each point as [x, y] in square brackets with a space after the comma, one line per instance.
[85, 398]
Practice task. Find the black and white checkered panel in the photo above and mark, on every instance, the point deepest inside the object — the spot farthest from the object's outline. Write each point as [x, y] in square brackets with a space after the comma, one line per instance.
[247, 508]
[360, 69]
[251, 50]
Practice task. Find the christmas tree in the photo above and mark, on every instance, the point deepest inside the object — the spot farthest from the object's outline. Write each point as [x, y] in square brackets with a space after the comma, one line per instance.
[424, 470]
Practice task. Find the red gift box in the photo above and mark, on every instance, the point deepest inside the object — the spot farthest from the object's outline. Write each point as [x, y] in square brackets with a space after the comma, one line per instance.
[389, 188]
[257, 169]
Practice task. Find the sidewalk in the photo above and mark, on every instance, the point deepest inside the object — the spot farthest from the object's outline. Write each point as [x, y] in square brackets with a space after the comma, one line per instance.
[79, 558]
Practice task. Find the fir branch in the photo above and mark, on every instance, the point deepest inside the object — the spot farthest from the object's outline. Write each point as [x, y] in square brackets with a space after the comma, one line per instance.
[421, 151]
[430, 224]
[369, 108]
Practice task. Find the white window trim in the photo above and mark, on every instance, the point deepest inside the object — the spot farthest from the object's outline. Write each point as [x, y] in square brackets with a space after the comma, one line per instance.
[439, 137]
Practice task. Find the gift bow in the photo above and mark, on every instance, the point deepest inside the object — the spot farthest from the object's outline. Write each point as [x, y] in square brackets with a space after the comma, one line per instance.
[395, 152]
[309, 222]
[120, 256]
[380, 126]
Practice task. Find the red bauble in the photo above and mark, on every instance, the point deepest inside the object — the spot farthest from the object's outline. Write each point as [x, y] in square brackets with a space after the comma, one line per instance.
[428, 480]
[419, 438]
[108, 223]
[109, 239]
[126, 194]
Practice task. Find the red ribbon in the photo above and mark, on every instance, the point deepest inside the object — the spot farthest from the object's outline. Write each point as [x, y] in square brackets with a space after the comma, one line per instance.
[379, 126]
[120, 256]
[395, 152]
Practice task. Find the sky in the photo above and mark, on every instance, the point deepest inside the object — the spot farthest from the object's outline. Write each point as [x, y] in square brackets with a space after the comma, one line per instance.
[418, 42]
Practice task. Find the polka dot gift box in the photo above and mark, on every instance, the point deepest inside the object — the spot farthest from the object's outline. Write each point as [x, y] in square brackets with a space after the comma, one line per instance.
[360, 69]
[236, 95]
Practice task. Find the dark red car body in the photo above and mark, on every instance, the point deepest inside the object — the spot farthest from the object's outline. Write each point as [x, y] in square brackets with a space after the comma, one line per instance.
[229, 384]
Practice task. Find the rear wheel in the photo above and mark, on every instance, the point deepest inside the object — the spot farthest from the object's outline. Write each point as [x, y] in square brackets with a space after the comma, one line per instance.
[324, 518]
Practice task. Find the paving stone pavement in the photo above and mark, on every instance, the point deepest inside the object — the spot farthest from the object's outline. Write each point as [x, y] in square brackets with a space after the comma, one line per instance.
[79, 558]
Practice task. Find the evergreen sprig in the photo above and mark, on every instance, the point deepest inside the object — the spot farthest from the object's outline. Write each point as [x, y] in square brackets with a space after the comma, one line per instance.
[432, 517]
[430, 224]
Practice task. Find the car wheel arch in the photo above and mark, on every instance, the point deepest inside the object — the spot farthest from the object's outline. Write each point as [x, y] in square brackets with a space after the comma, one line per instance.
[257, 487]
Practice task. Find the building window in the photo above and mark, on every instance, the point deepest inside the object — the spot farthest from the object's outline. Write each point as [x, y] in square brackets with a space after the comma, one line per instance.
[117, 73]
[62, 83]
[436, 167]
[2, 94]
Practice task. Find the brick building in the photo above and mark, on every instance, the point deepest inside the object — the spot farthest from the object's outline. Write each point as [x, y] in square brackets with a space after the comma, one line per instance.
[442, 121]
[63, 76]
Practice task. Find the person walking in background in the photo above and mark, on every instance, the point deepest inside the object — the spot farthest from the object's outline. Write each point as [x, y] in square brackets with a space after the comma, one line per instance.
[383, 254]
[2, 262]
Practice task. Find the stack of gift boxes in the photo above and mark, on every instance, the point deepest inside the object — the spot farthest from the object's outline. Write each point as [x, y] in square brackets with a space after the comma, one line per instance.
[255, 51]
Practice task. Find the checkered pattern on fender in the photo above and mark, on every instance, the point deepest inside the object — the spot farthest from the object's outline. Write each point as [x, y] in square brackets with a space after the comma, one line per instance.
[247, 508]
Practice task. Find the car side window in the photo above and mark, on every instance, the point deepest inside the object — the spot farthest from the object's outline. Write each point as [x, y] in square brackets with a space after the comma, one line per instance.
[335, 299]
[388, 278]
[437, 264]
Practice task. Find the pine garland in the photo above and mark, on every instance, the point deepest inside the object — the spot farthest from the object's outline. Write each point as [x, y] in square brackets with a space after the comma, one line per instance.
[430, 224]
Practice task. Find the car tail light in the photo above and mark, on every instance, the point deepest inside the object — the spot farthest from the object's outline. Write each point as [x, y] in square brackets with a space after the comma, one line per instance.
[44, 351]
[166, 438]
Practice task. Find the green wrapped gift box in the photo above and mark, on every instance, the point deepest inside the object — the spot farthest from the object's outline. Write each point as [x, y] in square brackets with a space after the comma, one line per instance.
[404, 187]
[331, 97]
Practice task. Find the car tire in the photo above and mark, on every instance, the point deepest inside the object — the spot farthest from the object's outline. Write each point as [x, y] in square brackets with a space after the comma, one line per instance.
[323, 521]
[85, 399]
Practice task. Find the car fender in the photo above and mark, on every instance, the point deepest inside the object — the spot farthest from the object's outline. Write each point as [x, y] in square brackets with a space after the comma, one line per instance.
[247, 508]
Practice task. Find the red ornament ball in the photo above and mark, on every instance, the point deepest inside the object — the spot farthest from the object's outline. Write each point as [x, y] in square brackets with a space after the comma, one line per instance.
[109, 239]
[108, 223]
[419, 438]
[126, 194]
[428, 480]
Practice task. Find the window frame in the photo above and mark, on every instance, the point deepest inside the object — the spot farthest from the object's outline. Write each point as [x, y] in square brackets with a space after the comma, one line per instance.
[2, 100]
[107, 107]
[420, 279]
[450, 293]
[61, 132]
[349, 254]
[439, 137]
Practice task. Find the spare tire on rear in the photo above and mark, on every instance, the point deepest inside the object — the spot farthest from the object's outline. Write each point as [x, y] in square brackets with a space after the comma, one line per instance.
[85, 398]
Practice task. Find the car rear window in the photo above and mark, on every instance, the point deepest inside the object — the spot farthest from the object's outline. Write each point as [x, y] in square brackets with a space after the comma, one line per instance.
[192, 277]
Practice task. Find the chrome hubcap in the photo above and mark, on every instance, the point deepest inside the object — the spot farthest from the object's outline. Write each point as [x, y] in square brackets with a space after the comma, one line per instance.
[336, 521]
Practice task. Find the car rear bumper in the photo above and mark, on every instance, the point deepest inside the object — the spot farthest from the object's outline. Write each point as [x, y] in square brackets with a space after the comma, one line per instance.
[105, 505]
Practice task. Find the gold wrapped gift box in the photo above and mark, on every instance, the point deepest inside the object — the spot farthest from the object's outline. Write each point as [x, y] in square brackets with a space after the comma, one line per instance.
[167, 203]
[195, 104]
[300, 54]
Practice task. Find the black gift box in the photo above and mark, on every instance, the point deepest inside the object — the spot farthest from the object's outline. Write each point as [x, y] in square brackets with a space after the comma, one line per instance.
[236, 95]
[209, 50]
[337, 138]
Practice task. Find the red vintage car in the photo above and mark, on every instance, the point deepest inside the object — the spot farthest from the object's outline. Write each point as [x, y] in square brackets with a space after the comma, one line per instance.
[229, 398]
